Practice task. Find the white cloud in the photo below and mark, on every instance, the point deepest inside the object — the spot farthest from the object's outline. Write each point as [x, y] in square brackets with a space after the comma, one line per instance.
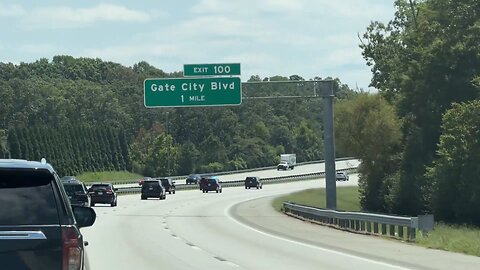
[11, 10]
[66, 17]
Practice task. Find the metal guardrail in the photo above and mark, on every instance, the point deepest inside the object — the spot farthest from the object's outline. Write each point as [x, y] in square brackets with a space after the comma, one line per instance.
[369, 223]
[238, 183]
[183, 177]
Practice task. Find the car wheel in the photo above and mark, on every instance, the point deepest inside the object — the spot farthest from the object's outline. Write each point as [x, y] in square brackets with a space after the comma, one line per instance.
[173, 191]
[216, 191]
[245, 187]
[143, 198]
[220, 190]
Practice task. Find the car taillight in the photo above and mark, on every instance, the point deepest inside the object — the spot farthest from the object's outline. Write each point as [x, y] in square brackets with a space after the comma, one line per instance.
[108, 191]
[72, 250]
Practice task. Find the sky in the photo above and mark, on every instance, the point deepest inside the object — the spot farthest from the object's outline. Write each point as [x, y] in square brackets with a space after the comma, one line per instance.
[267, 37]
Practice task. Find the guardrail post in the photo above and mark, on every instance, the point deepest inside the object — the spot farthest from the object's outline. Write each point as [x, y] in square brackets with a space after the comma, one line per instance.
[375, 227]
[384, 229]
[400, 232]
[412, 233]
[357, 225]
[369, 226]
[362, 226]
[392, 230]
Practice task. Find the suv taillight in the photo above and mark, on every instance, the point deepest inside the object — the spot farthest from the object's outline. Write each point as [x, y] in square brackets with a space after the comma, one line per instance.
[108, 191]
[72, 249]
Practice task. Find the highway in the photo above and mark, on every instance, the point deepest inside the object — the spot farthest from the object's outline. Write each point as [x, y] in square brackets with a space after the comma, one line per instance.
[238, 229]
[300, 169]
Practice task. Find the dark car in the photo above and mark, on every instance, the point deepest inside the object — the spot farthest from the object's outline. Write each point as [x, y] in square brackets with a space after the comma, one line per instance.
[211, 184]
[153, 189]
[193, 179]
[168, 184]
[39, 228]
[103, 193]
[77, 191]
[253, 181]
[341, 176]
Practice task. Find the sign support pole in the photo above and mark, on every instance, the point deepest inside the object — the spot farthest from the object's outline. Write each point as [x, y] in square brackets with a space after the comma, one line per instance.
[329, 145]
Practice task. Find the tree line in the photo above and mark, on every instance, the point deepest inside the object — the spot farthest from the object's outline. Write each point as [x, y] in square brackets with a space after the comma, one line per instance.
[77, 107]
[418, 137]
[72, 149]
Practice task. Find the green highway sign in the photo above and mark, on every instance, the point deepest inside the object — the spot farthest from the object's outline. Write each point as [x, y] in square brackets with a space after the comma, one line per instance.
[192, 92]
[191, 70]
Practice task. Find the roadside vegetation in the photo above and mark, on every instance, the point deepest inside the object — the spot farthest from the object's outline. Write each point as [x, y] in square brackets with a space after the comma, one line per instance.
[454, 238]
[108, 176]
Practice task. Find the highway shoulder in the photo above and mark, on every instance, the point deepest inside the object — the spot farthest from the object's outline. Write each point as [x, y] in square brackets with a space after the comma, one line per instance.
[259, 216]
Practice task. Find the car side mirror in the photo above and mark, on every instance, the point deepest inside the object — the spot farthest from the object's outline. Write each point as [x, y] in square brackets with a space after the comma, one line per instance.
[85, 216]
[115, 189]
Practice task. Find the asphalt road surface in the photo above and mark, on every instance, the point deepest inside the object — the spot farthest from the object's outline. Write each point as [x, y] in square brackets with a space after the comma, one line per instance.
[237, 229]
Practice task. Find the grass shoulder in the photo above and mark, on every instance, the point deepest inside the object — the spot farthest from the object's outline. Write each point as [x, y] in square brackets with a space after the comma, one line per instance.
[454, 238]
[347, 198]
[108, 176]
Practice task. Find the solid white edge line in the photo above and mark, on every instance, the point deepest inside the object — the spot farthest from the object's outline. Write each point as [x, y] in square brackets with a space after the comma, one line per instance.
[228, 215]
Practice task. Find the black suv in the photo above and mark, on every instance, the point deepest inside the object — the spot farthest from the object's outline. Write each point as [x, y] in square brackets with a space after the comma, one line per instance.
[168, 184]
[193, 179]
[77, 191]
[39, 229]
[103, 193]
[211, 184]
[153, 189]
[253, 181]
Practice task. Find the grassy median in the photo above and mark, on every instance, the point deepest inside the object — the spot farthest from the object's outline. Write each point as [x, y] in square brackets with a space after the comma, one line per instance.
[108, 176]
[347, 198]
[461, 239]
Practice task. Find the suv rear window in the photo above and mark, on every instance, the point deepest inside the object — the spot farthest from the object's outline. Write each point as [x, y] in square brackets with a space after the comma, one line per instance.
[27, 198]
[72, 189]
[151, 184]
[98, 187]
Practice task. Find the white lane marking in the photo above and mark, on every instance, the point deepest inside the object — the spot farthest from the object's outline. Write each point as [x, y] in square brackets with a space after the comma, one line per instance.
[228, 215]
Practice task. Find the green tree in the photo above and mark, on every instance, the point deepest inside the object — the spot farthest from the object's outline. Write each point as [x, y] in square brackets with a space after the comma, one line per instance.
[188, 158]
[367, 127]
[422, 61]
[455, 173]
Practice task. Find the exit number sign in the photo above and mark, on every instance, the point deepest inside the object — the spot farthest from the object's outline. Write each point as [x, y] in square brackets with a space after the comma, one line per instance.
[192, 70]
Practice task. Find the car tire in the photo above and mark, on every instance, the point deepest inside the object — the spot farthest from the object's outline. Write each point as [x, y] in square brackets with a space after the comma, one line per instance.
[92, 204]
[216, 191]
[220, 190]
[143, 198]
[173, 191]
